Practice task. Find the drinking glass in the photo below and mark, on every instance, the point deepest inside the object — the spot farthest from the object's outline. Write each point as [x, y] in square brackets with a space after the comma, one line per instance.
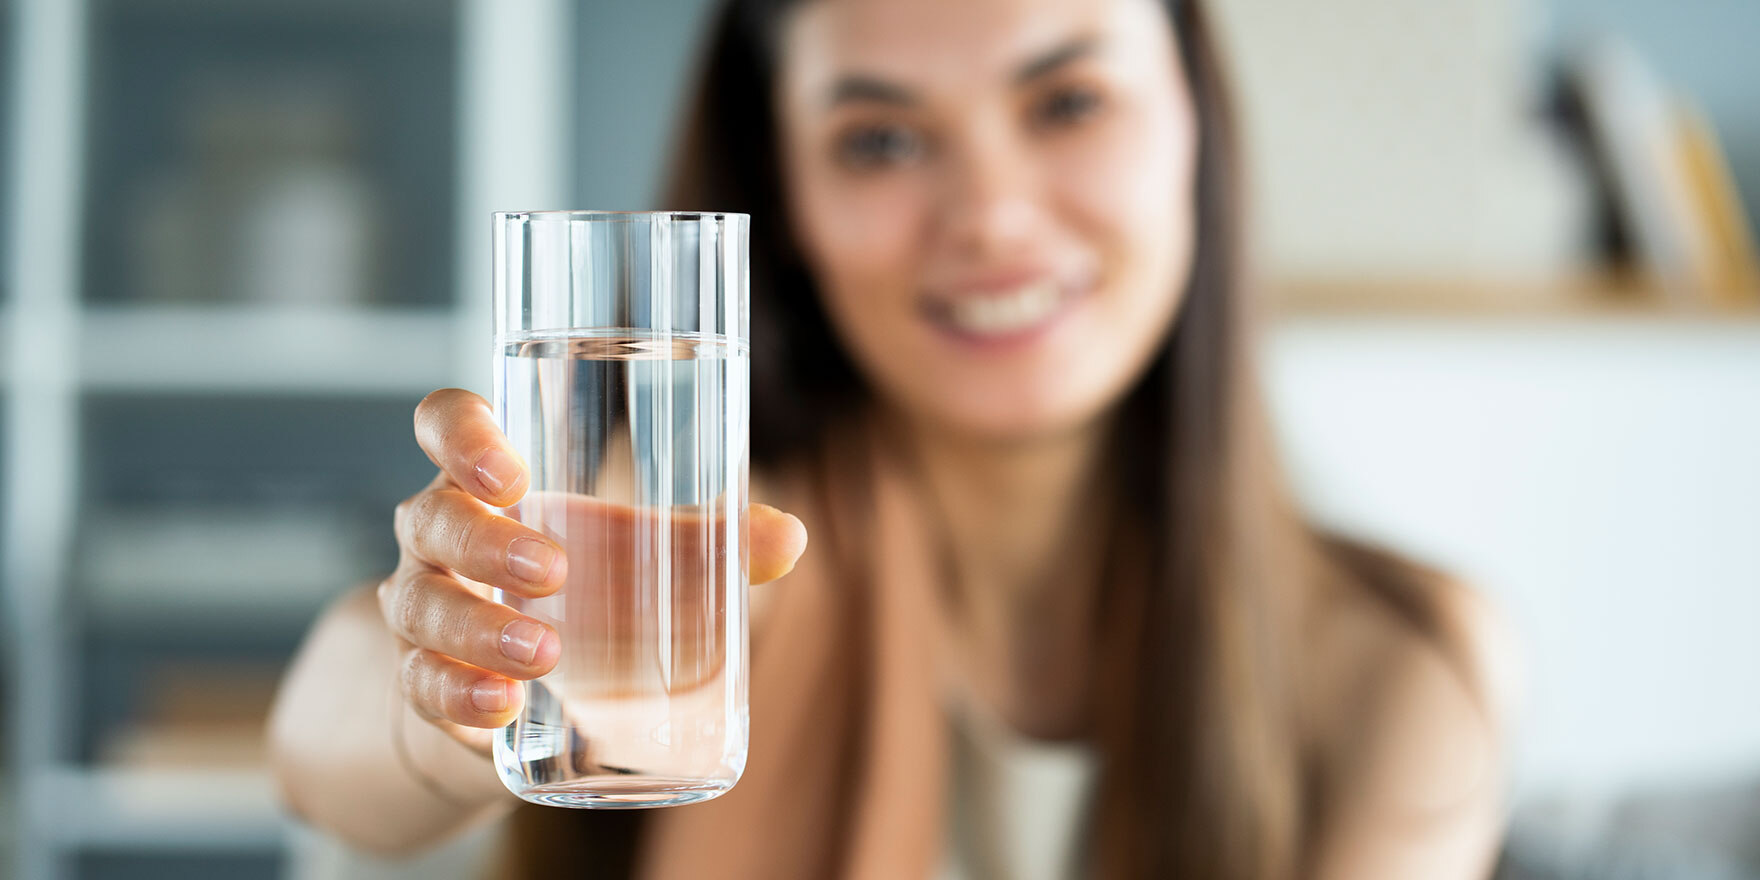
[621, 376]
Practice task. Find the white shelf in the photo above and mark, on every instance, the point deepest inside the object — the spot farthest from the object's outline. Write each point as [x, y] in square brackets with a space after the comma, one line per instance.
[246, 348]
[171, 566]
[216, 810]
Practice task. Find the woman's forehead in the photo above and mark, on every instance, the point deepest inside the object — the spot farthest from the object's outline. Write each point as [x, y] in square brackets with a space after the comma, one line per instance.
[948, 44]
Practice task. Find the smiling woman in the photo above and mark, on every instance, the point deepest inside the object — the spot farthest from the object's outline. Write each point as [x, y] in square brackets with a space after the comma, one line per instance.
[997, 210]
[1001, 372]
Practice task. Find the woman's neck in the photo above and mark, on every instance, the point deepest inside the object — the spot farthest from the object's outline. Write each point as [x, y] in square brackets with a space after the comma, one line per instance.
[1023, 529]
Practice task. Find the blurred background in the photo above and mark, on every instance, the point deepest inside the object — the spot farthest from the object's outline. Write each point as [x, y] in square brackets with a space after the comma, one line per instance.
[1515, 331]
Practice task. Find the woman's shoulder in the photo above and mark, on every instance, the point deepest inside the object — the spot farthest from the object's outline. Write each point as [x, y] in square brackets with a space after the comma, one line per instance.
[1409, 679]
[1376, 606]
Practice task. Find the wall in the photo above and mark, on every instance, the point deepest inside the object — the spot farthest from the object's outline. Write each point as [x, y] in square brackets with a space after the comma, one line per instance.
[634, 59]
[1597, 479]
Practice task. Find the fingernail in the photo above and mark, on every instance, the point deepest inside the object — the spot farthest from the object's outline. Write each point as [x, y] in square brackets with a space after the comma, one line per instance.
[530, 560]
[489, 696]
[497, 470]
[520, 640]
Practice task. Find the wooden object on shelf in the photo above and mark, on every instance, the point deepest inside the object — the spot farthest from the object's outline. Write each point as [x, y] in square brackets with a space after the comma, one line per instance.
[1735, 255]
[1672, 187]
[1609, 294]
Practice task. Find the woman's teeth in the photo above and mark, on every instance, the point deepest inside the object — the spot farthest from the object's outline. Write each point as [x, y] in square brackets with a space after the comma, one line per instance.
[1008, 313]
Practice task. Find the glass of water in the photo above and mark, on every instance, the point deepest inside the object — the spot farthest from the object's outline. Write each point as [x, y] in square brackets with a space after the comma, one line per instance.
[621, 375]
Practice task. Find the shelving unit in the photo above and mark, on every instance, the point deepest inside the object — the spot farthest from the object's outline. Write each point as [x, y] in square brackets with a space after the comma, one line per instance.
[1589, 297]
[170, 375]
[155, 811]
[269, 349]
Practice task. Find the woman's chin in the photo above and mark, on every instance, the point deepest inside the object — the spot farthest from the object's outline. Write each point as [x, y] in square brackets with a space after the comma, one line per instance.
[1018, 421]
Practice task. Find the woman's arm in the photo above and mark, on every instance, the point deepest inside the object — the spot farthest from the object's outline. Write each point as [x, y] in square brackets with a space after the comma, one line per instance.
[380, 733]
[333, 743]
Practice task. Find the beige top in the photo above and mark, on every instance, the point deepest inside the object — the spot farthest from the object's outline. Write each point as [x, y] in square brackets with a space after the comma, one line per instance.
[1018, 805]
[851, 761]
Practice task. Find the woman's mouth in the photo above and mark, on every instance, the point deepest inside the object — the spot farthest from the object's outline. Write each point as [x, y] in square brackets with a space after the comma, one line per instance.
[995, 316]
[1011, 312]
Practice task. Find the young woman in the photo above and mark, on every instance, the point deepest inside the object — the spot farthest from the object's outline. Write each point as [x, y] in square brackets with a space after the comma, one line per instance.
[1060, 617]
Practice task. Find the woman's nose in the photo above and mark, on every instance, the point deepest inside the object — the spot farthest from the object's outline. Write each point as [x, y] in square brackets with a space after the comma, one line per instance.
[992, 202]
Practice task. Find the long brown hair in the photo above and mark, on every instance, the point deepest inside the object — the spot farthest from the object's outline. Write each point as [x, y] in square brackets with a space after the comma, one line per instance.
[1202, 773]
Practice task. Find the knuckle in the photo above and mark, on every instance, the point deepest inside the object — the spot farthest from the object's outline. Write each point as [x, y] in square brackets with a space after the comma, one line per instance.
[386, 593]
[433, 403]
[458, 703]
[426, 511]
[470, 529]
[421, 509]
[400, 613]
[481, 629]
[408, 613]
[400, 517]
[444, 409]
[410, 673]
[457, 706]
[428, 688]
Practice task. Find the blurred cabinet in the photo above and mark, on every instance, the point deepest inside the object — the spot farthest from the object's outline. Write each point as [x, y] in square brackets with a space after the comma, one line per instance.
[240, 248]
[270, 152]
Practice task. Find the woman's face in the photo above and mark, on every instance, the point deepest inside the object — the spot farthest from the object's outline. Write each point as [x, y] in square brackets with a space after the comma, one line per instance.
[994, 196]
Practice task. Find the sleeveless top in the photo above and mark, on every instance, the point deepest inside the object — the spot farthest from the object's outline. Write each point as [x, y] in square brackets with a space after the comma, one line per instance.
[1018, 806]
[851, 763]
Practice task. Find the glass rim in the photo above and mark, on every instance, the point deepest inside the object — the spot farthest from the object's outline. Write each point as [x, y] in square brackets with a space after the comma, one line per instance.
[615, 216]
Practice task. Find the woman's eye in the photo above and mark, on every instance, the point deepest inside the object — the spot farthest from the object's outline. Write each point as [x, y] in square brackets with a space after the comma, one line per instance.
[878, 146]
[1065, 107]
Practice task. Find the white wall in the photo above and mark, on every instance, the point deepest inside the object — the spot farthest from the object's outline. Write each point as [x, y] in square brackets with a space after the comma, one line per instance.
[1400, 137]
[1600, 480]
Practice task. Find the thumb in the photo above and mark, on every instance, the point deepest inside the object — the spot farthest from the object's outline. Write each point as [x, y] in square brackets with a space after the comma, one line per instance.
[778, 540]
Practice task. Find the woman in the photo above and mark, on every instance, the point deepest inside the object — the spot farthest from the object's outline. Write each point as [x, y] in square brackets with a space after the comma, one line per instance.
[1001, 370]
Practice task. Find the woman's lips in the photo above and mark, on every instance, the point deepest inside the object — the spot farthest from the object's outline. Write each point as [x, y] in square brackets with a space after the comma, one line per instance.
[1005, 315]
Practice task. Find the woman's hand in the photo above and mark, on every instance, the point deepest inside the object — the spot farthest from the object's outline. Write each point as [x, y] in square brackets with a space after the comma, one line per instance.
[463, 652]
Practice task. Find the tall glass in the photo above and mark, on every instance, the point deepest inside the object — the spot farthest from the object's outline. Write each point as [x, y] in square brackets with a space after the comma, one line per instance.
[621, 375]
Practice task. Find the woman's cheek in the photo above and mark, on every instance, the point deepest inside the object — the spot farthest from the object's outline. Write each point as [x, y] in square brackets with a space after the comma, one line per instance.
[1129, 189]
[1128, 176]
[866, 232]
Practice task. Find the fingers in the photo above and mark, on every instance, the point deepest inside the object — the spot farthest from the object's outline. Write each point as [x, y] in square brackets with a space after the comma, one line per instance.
[441, 688]
[434, 611]
[609, 541]
[778, 540]
[457, 430]
[451, 529]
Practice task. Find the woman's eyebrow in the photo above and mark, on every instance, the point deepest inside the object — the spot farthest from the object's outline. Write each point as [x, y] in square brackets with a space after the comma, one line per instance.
[857, 87]
[1080, 47]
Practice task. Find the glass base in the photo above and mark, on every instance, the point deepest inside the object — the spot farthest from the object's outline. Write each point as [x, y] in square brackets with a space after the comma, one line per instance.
[623, 793]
